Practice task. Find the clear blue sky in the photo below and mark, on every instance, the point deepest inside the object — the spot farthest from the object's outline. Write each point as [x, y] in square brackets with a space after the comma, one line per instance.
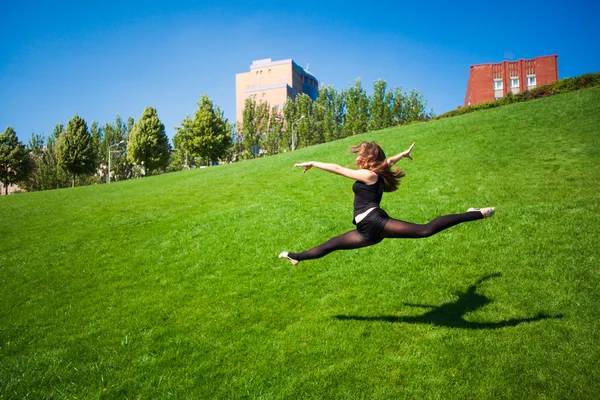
[100, 59]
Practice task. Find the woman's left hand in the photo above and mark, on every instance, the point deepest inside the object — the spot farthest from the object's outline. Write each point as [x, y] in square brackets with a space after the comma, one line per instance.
[406, 154]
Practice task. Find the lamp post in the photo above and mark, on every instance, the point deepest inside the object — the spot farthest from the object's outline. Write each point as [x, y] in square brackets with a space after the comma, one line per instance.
[110, 151]
[293, 137]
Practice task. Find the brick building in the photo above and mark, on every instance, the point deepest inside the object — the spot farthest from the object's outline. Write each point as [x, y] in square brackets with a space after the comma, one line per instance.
[489, 82]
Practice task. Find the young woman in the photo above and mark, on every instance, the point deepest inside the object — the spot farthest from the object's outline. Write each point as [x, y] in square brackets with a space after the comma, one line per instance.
[374, 177]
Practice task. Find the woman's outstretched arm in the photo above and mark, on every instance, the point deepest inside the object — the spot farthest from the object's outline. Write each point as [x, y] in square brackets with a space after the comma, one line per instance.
[363, 175]
[405, 154]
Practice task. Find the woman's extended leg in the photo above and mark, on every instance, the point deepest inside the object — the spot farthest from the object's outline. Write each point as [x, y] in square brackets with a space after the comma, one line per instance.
[347, 241]
[400, 229]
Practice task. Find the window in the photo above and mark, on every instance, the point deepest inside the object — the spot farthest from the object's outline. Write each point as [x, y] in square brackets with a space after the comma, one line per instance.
[531, 81]
[498, 86]
[514, 83]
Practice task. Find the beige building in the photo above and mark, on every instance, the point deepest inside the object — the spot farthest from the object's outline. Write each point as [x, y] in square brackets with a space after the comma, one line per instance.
[273, 82]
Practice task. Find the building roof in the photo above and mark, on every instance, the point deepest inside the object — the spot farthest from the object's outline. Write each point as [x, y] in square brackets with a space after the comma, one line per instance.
[520, 59]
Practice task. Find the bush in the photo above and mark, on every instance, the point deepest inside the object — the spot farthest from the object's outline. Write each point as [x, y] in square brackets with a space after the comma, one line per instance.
[542, 91]
[564, 86]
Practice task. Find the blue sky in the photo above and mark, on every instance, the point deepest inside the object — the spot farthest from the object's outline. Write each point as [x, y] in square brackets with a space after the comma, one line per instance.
[100, 59]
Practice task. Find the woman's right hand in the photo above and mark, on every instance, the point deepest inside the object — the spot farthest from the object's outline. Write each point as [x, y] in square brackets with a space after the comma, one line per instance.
[306, 165]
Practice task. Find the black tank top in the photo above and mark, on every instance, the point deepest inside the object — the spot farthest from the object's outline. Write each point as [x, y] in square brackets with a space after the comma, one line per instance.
[367, 196]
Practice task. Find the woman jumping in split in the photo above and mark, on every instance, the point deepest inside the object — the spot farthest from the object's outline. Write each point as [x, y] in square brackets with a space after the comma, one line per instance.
[374, 177]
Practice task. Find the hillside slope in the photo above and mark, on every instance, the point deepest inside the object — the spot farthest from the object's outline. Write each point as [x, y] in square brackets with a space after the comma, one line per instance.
[170, 285]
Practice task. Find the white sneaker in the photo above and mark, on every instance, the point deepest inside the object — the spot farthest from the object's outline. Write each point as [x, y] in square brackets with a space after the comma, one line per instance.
[284, 254]
[486, 212]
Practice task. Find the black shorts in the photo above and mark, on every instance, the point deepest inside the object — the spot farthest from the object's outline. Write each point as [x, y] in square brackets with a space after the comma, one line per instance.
[371, 227]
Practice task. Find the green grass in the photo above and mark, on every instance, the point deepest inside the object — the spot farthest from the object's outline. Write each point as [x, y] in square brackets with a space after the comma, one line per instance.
[169, 287]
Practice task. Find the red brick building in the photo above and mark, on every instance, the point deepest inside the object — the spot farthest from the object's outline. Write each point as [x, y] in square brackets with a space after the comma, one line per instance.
[489, 82]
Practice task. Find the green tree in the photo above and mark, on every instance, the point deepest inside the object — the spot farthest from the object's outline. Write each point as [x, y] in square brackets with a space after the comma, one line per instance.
[272, 138]
[115, 138]
[304, 129]
[75, 149]
[97, 132]
[328, 111]
[414, 109]
[207, 134]
[14, 159]
[381, 106]
[46, 173]
[262, 119]
[236, 150]
[398, 107]
[357, 110]
[36, 149]
[181, 141]
[176, 163]
[148, 143]
[249, 129]
[408, 107]
[290, 115]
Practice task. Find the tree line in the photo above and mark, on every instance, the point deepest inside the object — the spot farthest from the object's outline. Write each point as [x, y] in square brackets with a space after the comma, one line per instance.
[79, 154]
[302, 122]
[82, 154]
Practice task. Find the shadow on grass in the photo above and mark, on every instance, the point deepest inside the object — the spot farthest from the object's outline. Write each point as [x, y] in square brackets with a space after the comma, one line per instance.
[451, 314]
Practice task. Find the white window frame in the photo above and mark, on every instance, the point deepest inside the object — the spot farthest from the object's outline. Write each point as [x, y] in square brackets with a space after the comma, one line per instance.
[531, 81]
[498, 84]
[514, 83]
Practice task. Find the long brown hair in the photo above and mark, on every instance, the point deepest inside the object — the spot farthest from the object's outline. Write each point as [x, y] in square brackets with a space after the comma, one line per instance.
[372, 157]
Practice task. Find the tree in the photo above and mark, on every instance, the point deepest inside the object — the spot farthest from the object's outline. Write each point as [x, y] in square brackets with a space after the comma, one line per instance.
[181, 141]
[207, 135]
[398, 107]
[148, 143]
[249, 129]
[97, 132]
[36, 149]
[236, 150]
[46, 174]
[328, 111]
[290, 115]
[408, 107]
[414, 106]
[381, 104]
[115, 135]
[272, 137]
[306, 134]
[262, 122]
[14, 159]
[357, 110]
[176, 163]
[75, 149]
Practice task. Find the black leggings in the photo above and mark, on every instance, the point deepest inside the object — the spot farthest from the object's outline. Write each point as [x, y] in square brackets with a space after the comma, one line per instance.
[394, 228]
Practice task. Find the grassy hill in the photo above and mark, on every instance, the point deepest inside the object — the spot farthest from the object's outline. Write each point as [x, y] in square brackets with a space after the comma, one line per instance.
[170, 286]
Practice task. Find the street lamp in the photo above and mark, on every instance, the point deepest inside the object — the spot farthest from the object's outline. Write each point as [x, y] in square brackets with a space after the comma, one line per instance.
[110, 151]
[293, 137]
